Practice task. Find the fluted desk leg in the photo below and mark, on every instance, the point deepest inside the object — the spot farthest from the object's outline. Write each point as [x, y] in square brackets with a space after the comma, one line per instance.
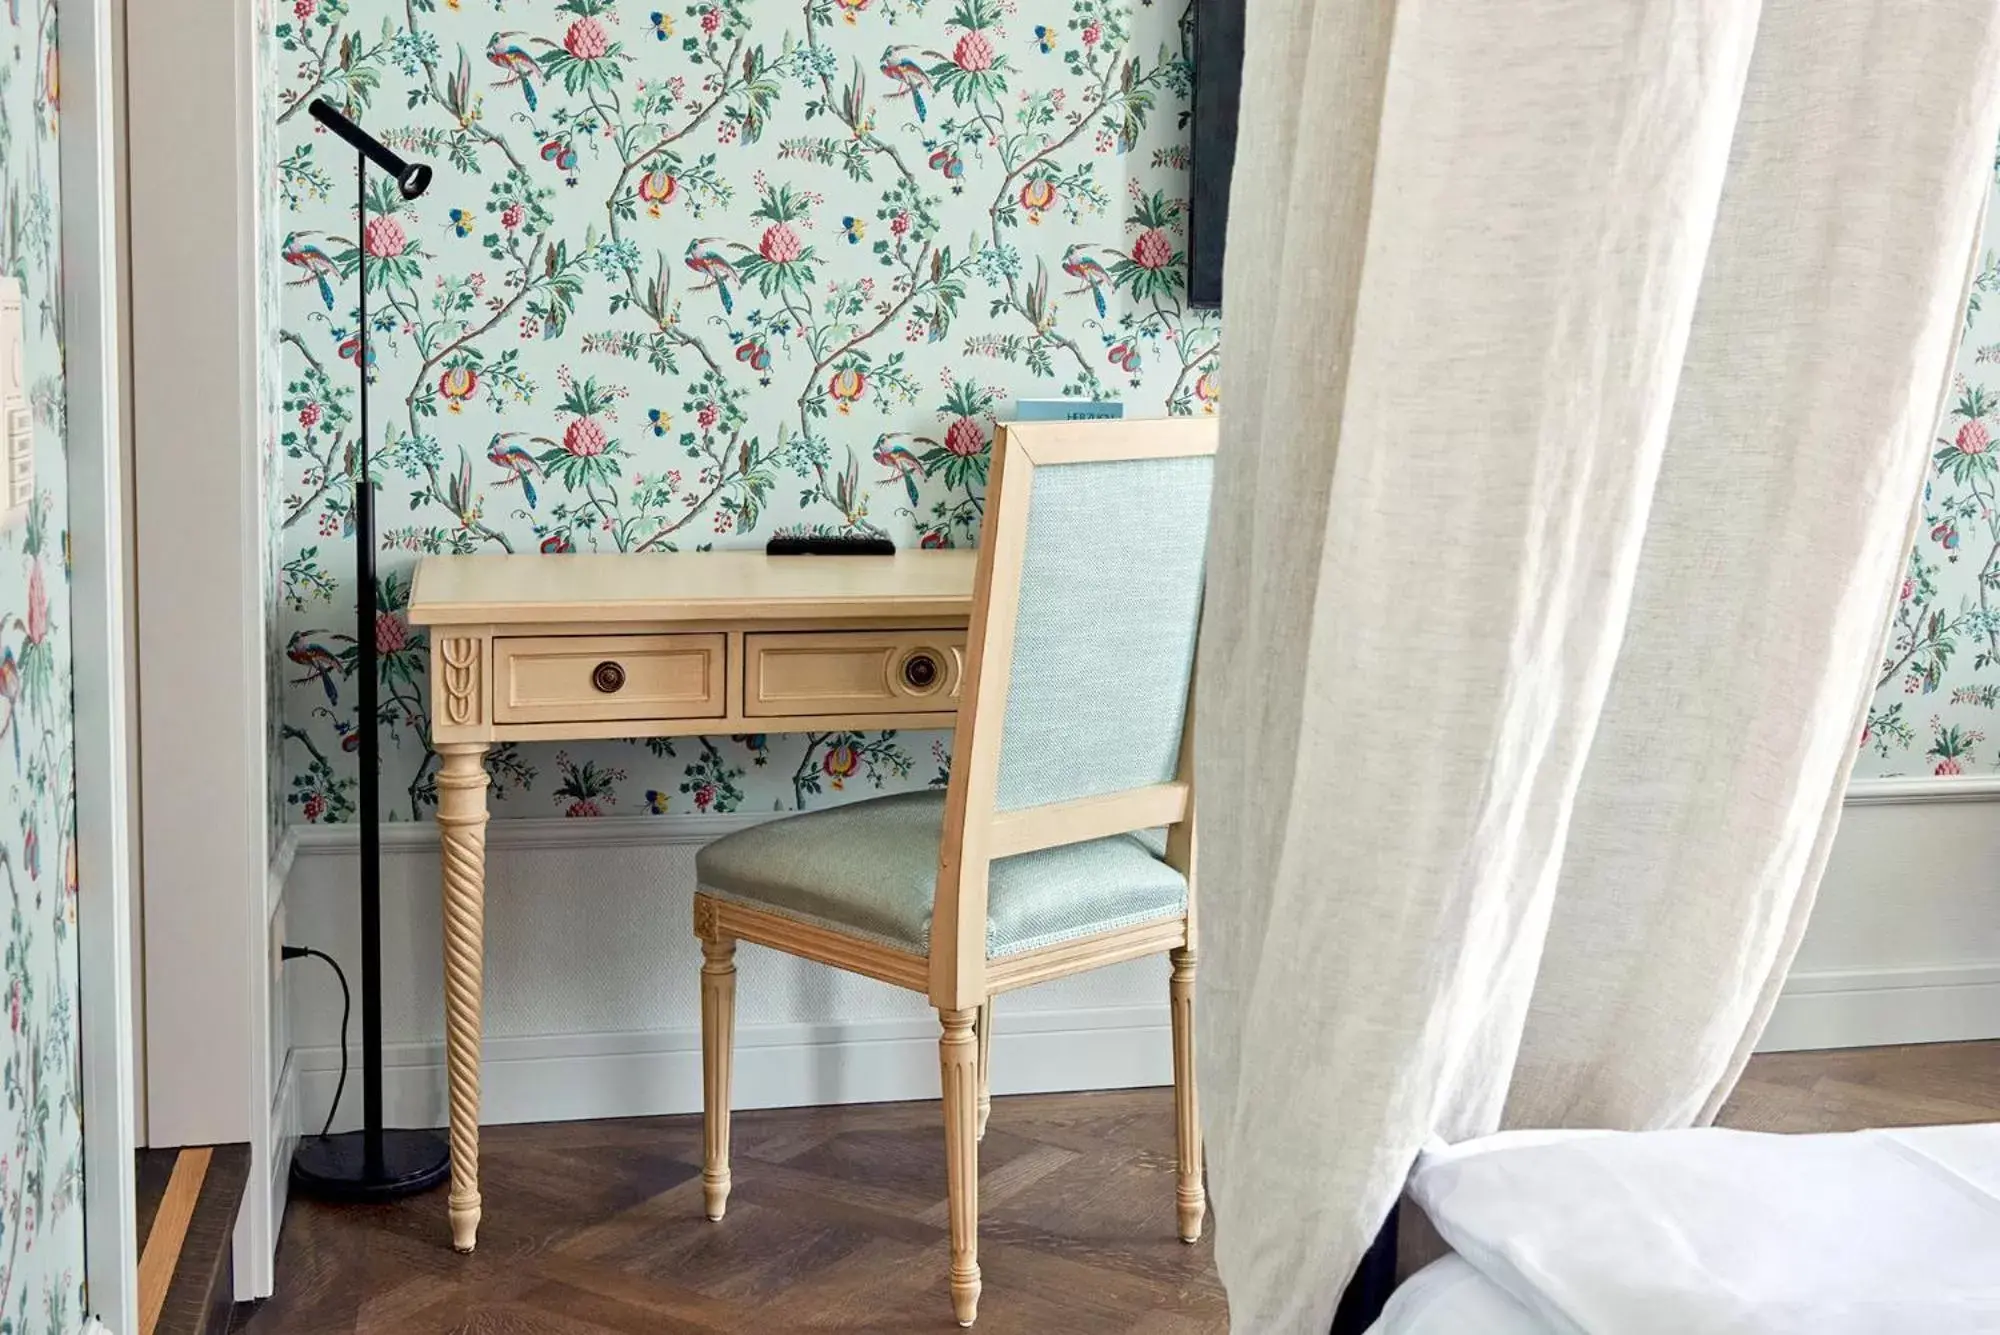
[461, 822]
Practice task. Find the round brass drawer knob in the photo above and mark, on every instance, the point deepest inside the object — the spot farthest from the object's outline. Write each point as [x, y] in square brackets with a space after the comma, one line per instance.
[920, 671]
[608, 678]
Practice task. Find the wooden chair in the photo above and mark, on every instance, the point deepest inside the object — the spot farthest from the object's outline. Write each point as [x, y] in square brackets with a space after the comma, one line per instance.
[1065, 839]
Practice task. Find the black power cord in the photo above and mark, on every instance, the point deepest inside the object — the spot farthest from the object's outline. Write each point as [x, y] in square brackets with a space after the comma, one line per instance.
[346, 1007]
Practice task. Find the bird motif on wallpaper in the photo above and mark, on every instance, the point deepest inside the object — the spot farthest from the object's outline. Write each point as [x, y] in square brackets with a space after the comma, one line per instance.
[519, 465]
[706, 260]
[520, 66]
[321, 664]
[908, 73]
[10, 691]
[1089, 272]
[901, 463]
[316, 264]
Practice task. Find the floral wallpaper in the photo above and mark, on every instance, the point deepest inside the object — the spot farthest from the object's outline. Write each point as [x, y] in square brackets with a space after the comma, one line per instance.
[268, 71]
[692, 274]
[1939, 687]
[41, 1134]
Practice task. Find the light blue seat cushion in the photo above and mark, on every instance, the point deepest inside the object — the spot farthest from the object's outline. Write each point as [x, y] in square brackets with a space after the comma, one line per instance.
[870, 869]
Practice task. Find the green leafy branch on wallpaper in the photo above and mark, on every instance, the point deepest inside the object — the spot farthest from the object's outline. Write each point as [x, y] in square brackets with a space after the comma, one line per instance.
[831, 759]
[929, 283]
[457, 97]
[22, 1078]
[1965, 460]
[744, 86]
[38, 1076]
[318, 413]
[346, 70]
[1029, 147]
[651, 172]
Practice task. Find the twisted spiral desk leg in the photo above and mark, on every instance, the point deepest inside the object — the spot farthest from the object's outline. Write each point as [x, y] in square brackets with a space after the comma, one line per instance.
[461, 822]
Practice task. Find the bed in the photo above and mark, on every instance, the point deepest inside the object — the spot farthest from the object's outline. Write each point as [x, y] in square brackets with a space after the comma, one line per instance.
[1721, 1232]
[1449, 1297]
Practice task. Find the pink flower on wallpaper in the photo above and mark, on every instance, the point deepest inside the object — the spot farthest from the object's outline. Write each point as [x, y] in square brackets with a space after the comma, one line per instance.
[384, 239]
[38, 605]
[1948, 767]
[584, 438]
[711, 19]
[392, 633]
[1152, 250]
[1972, 437]
[586, 40]
[780, 244]
[973, 52]
[302, 10]
[309, 416]
[584, 808]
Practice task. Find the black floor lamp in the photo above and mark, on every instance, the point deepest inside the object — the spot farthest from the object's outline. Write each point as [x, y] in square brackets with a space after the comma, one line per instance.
[372, 1163]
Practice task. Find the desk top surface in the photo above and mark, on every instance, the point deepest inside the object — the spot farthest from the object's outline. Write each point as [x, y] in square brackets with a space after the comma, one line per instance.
[688, 586]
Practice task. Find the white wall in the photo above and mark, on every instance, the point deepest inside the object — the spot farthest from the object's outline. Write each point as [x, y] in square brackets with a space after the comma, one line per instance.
[592, 1009]
[1904, 945]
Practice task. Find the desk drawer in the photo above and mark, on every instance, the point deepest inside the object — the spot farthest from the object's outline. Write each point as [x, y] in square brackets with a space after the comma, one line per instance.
[572, 678]
[852, 672]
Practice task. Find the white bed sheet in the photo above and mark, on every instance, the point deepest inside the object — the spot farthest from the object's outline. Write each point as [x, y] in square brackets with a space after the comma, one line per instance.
[1449, 1297]
[1893, 1232]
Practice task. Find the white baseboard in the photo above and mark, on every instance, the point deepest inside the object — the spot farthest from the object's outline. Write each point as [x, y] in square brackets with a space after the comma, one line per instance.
[1861, 1008]
[1909, 881]
[278, 1190]
[567, 1077]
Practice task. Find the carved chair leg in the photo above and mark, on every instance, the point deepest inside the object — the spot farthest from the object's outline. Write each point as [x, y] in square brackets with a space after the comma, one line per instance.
[985, 1027]
[1190, 1200]
[958, 1063]
[718, 1036]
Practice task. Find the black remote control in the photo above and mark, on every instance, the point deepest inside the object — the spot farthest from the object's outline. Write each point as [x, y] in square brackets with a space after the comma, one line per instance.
[838, 544]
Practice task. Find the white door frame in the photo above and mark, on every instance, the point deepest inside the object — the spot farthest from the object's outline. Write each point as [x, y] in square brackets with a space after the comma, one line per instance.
[98, 610]
[191, 88]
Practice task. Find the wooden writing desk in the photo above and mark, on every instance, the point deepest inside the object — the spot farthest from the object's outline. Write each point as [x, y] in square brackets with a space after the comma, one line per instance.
[561, 648]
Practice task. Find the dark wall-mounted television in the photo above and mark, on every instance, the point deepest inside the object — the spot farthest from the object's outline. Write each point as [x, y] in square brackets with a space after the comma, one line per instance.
[1218, 75]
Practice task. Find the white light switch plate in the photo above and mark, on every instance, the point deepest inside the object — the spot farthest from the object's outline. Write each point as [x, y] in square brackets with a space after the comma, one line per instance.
[17, 422]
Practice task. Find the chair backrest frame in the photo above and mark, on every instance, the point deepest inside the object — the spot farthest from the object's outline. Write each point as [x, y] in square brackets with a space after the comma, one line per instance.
[975, 831]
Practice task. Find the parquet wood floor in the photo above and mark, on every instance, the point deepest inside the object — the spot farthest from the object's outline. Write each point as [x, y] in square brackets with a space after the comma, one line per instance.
[837, 1219]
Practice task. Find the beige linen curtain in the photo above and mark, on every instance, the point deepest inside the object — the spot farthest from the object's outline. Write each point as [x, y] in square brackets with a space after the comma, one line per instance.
[1583, 359]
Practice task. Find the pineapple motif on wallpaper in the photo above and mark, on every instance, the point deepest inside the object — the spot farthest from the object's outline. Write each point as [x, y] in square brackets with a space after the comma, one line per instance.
[691, 275]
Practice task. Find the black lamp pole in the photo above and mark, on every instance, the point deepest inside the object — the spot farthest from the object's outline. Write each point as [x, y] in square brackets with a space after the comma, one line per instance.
[373, 1163]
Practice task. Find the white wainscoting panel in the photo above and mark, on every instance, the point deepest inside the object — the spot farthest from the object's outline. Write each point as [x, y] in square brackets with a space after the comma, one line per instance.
[592, 1007]
[592, 1003]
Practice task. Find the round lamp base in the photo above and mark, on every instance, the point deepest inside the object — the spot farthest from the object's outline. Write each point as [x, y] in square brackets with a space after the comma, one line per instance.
[339, 1168]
